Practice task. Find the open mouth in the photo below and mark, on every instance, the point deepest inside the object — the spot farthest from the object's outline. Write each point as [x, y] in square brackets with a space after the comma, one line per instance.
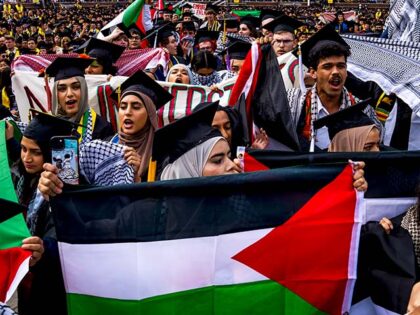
[128, 123]
[335, 82]
[178, 80]
[71, 103]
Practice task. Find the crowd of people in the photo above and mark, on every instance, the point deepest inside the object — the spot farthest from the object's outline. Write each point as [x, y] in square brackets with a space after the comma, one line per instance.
[325, 112]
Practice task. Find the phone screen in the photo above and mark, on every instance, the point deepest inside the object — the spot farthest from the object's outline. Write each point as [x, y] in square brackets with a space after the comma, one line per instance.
[64, 153]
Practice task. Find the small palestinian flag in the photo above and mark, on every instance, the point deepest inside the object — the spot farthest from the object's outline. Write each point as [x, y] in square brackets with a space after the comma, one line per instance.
[14, 261]
[254, 243]
[136, 15]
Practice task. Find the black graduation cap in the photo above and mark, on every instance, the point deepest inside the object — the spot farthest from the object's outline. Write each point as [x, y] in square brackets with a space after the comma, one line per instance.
[188, 25]
[179, 137]
[231, 22]
[238, 49]
[249, 19]
[212, 7]
[283, 23]
[64, 68]
[204, 35]
[324, 35]
[141, 82]
[269, 14]
[162, 32]
[350, 117]
[9, 209]
[188, 6]
[97, 48]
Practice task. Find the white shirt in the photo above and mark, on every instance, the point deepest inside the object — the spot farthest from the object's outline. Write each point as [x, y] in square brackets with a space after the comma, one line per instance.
[322, 139]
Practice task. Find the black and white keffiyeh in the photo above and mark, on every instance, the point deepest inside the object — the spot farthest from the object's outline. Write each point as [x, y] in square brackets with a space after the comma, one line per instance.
[393, 65]
[411, 223]
[102, 163]
[222, 42]
[403, 22]
[206, 80]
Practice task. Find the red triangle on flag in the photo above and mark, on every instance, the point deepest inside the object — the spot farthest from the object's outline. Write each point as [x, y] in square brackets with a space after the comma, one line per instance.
[251, 164]
[309, 254]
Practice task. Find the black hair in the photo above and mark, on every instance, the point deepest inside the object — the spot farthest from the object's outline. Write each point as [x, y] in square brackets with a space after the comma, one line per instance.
[325, 49]
[204, 59]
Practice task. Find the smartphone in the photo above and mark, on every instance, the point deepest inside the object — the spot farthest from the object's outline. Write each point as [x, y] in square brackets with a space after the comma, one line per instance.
[65, 156]
[240, 155]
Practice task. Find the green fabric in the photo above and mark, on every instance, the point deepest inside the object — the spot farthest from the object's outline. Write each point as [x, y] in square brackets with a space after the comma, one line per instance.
[14, 230]
[265, 297]
[241, 13]
[132, 13]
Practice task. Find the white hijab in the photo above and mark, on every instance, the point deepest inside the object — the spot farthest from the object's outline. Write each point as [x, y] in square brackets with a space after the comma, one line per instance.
[191, 163]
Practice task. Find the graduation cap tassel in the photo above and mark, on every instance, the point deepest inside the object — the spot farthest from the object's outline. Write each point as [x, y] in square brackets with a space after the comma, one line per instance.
[119, 94]
[151, 175]
[301, 72]
[224, 31]
[48, 91]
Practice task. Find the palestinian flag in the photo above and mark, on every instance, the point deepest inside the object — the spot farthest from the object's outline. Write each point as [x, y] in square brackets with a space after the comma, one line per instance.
[246, 244]
[385, 262]
[137, 14]
[14, 261]
[266, 103]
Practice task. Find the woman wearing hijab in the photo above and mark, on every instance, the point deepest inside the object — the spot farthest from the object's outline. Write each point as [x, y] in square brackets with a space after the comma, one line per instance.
[191, 147]
[140, 98]
[351, 130]
[70, 98]
[35, 151]
[179, 73]
[357, 139]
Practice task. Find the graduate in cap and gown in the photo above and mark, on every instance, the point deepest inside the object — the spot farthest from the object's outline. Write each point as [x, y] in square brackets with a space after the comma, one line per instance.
[105, 55]
[211, 23]
[284, 41]
[70, 98]
[140, 99]
[191, 147]
[165, 37]
[235, 56]
[351, 130]
[325, 54]
[45, 284]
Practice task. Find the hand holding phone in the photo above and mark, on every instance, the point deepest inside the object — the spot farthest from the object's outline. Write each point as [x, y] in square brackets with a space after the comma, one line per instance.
[65, 156]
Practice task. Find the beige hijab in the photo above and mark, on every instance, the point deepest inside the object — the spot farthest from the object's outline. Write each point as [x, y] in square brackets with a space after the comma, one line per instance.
[142, 141]
[83, 104]
[350, 140]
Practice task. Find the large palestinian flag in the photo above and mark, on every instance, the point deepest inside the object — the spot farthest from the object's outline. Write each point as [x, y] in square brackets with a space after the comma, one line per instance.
[277, 242]
[14, 261]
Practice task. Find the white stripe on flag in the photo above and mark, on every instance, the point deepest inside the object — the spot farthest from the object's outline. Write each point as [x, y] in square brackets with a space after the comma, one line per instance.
[20, 274]
[377, 208]
[135, 271]
[367, 307]
[254, 59]
[359, 217]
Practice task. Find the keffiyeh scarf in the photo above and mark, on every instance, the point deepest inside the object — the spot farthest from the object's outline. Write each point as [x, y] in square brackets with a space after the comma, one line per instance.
[206, 80]
[411, 223]
[102, 163]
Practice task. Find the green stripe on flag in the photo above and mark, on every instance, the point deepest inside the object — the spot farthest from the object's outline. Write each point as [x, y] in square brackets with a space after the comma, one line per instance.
[264, 297]
[132, 13]
[14, 230]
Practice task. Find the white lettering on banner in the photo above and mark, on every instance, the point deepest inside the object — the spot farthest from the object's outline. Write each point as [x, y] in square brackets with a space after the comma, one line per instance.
[30, 92]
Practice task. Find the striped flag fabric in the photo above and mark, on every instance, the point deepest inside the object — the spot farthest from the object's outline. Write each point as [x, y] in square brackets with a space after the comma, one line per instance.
[222, 245]
[14, 261]
[392, 178]
[137, 14]
[266, 103]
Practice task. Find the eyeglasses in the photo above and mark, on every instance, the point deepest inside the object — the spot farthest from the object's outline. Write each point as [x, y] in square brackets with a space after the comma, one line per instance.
[284, 42]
